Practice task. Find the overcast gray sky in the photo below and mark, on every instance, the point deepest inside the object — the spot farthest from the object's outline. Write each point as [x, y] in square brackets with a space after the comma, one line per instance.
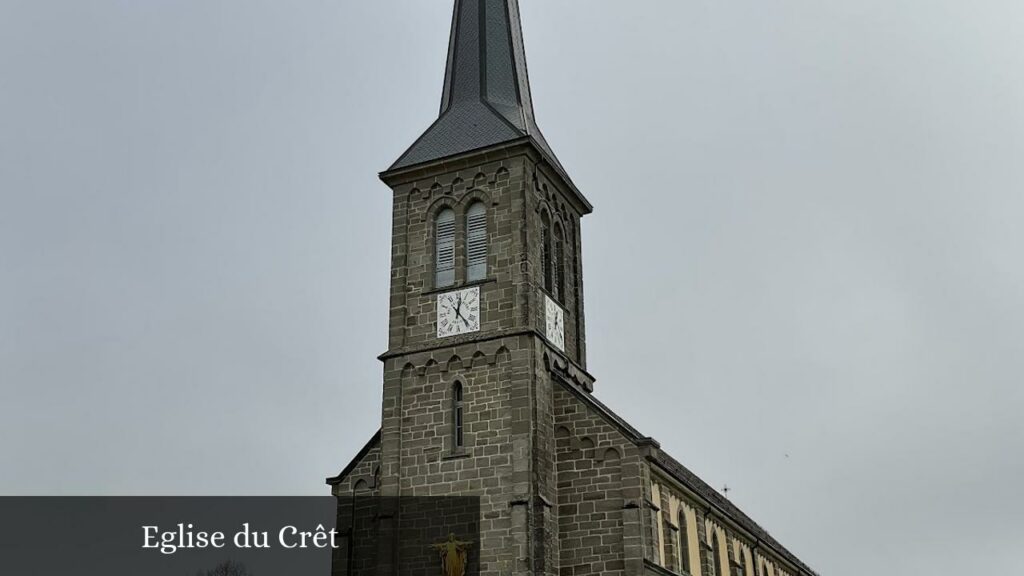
[807, 242]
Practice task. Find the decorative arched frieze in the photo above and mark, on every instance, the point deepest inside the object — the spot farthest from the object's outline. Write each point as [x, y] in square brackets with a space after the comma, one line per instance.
[487, 354]
[408, 369]
[431, 363]
[502, 355]
[454, 363]
[459, 186]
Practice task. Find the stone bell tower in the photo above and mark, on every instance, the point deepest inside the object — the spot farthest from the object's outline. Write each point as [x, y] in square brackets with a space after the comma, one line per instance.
[486, 298]
[485, 388]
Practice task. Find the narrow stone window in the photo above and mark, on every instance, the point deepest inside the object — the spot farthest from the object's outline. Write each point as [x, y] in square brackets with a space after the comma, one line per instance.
[716, 552]
[683, 542]
[444, 239]
[558, 266]
[545, 251]
[676, 562]
[659, 522]
[476, 242]
[457, 435]
[740, 568]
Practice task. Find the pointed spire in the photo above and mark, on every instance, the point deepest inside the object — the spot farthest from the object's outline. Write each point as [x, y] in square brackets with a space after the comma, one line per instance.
[486, 98]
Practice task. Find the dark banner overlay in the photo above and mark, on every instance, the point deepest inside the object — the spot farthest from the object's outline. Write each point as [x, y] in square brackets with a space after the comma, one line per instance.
[238, 536]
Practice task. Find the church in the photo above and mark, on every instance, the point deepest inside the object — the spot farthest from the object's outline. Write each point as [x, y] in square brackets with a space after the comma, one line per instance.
[485, 387]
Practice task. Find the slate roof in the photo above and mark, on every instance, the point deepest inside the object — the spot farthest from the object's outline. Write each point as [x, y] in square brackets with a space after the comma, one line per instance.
[694, 483]
[374, 441]
[486, 97]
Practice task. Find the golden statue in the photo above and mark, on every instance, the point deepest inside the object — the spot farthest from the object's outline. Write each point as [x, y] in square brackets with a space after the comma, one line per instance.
[454, 556]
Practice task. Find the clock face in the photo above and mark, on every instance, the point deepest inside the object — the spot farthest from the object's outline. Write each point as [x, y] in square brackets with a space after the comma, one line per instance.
[555, 323]
[458, 312]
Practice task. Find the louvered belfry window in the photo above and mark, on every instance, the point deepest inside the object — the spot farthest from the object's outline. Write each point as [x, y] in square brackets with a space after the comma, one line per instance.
[476, 242]
[545, 250]
[558, 266]
[444, 238]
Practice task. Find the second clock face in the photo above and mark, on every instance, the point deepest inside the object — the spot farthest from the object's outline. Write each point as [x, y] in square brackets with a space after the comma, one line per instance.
[458, 312]
[554, 323]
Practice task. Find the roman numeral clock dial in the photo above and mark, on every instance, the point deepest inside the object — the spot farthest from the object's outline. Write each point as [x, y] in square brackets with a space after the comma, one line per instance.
[458, 312]
[554, 323]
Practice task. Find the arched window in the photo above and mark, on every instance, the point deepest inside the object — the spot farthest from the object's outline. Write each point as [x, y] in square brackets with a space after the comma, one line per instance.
[574, 273]
[683, 543]
[545, 250]
[457, 436]
[716, 551]
[558, 266]
[444, 240]
[476, 242]
[741, 565]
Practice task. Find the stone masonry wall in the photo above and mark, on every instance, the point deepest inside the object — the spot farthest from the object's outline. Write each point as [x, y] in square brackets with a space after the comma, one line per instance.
[427, 462]
[517, 193]
[597, 491]
[364, 476]
[508, 453]
[500, 186]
